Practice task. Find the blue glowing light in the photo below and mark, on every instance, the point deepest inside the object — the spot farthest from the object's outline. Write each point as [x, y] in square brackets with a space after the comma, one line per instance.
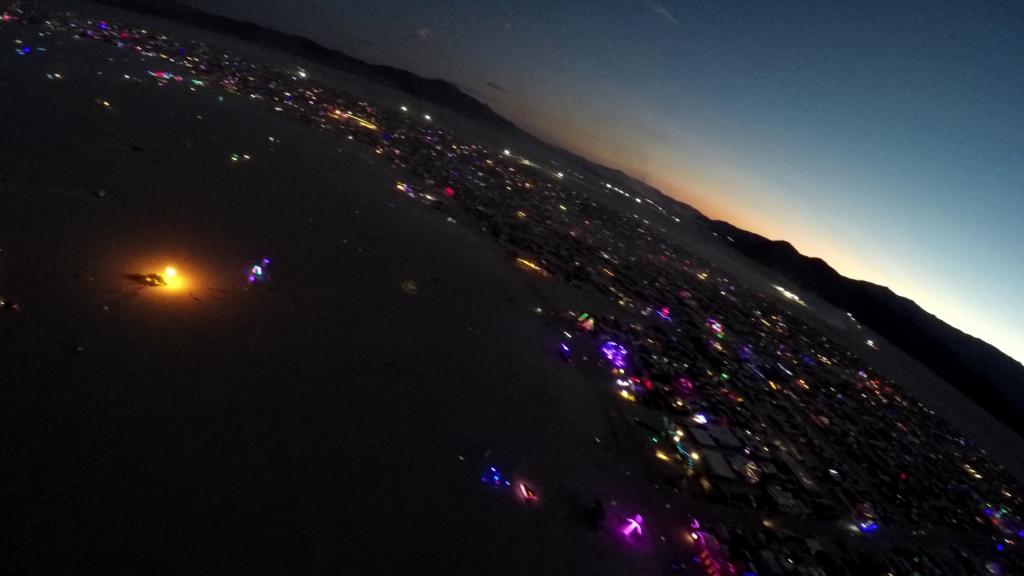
[494, 478]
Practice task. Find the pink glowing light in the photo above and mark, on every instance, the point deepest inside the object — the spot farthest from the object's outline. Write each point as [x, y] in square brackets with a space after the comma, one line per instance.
[164, 75]
[528, 494]
[634, 524]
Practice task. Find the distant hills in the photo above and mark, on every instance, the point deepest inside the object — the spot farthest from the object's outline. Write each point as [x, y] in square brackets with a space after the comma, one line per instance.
[979, 370]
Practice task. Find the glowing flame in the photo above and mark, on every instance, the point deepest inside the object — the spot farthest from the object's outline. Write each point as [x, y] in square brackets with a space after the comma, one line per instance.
[171, 278]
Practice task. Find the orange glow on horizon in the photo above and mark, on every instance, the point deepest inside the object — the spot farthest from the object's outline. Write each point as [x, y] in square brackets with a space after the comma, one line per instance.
[949, 306]
[708, 184]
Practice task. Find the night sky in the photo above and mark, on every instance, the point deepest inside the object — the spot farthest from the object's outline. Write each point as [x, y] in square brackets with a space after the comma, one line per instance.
[884, 137]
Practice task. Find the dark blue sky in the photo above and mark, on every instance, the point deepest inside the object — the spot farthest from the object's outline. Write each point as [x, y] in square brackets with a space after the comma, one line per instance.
[885, 137]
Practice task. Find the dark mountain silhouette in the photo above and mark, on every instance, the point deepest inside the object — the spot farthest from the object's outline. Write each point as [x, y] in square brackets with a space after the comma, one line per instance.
[979, 370]
[439, 92]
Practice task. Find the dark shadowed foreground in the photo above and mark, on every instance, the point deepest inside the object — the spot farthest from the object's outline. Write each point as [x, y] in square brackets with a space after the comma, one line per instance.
[316, 426]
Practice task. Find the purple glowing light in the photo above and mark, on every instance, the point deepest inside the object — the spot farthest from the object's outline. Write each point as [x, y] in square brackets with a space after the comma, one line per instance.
[615, 354]
[258, 273]
[633, 524]
[565, 352]
[700, 418]
[745, 352]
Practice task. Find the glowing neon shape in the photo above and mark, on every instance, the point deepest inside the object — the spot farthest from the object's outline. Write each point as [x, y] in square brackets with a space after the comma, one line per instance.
[492, 476]
[528, 494]
[633, 524]
[615, 354]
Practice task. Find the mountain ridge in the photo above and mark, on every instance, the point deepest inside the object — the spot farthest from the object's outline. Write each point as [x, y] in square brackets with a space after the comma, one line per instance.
[978, 369]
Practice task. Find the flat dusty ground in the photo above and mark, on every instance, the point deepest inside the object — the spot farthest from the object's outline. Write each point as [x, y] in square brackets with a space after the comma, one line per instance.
[316, 427]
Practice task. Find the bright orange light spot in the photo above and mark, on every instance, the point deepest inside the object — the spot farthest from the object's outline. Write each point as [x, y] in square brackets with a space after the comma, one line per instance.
[172, 279]
[532, 266]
